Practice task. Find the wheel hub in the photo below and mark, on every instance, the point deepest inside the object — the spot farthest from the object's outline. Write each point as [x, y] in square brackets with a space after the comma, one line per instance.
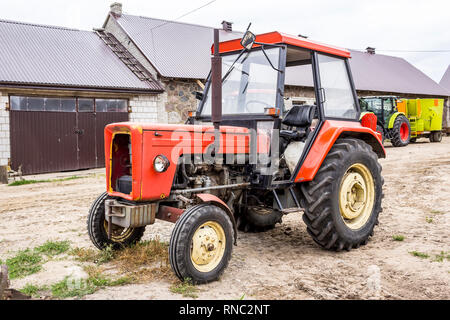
[208, 246]
[356, 196]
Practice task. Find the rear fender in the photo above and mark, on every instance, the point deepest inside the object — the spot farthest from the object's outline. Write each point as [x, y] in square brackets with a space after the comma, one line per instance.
[211, 199]
[393, 118]
[329, 133]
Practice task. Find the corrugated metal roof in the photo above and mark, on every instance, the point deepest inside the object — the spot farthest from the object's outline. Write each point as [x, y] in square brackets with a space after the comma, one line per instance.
[182, 50]
[445, 81]
[53, 56]
[177, 50]
[377, 72]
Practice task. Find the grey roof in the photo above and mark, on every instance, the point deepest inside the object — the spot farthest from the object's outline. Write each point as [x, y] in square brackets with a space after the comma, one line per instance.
[54, 56]
[445, 81]
[377, 72]
[182, 50]
[175, 49]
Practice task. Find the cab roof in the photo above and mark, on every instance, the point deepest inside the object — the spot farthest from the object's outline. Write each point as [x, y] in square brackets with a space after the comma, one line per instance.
[282, 38]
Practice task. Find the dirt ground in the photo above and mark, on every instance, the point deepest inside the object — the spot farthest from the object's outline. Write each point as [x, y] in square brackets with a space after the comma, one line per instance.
[283, 263]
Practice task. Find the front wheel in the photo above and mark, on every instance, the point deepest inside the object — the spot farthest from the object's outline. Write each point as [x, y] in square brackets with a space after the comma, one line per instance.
[201, 244]
[98, 228]
[343, 202]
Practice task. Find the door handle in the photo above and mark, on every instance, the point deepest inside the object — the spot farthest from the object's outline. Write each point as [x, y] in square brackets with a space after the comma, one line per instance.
[79, 131]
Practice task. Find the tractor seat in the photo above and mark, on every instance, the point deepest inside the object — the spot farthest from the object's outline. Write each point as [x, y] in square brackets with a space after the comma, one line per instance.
[301, 118]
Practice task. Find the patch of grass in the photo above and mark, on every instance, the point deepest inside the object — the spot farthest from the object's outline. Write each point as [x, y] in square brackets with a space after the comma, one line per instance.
[419, 254]
[186, 288]
[25, 263]
[33, 290]
[51, 248]
[26, 182]
[441, 257]
[398, 238]
[69, 288]
[429, 220]
[437, 212]
[98, 257]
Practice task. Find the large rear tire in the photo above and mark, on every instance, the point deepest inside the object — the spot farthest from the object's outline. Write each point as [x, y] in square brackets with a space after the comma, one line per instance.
[401, 132]
[343, 202]
[97, 228]
[201, 244]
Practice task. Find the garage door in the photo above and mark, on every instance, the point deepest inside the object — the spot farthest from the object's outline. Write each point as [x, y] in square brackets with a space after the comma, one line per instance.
[61, 134]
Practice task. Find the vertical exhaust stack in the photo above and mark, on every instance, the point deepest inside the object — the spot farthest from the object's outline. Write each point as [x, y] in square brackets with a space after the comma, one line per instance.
[216, 94]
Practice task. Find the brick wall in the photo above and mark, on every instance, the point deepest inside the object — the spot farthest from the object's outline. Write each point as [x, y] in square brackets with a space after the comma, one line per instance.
[148, 108]
[5, 148]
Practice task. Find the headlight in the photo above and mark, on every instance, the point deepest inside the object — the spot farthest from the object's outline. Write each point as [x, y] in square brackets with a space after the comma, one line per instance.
[161, 164]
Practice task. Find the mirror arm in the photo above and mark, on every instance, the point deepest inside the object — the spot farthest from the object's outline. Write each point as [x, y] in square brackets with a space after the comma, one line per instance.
[268, 59]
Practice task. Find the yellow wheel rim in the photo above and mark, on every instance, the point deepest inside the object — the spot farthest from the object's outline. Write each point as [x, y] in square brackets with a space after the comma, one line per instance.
[357, 196]
[119, 234]
[208, 246]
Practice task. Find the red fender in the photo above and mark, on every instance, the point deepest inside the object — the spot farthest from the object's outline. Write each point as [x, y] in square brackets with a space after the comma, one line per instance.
[209, 198]
[329, 133]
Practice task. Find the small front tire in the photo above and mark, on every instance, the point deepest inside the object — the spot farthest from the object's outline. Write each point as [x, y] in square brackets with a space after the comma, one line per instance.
[98, 228]
[201, 244]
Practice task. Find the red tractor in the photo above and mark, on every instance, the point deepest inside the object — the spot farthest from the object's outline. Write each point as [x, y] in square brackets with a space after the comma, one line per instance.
[243, 161]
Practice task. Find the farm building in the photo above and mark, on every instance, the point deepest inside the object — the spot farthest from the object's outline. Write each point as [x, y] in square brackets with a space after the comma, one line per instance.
[178, 54]
[445, 83]
[58, 89]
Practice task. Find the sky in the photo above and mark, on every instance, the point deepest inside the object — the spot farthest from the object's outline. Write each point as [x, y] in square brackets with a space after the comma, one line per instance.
[393, 27]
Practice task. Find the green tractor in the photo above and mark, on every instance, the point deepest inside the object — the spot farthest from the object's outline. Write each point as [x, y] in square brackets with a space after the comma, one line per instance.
[392, 124]
[405, 120]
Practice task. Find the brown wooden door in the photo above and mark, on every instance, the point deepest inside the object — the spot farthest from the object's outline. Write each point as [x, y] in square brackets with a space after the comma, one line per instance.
[43, 141]
[86, 134]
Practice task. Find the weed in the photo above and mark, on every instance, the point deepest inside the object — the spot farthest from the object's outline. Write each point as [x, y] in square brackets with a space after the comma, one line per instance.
[440, 257]
[106, 255]
[398, 238]
[437, 212]
[33, 290]
[429, 220]
[25, 263]
[186, 288]
[419, 254]
[84, 255]
[51, 248]
[26, 182]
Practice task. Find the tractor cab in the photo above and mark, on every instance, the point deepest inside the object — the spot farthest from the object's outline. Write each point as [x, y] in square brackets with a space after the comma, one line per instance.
[253, 95]
[383, 107]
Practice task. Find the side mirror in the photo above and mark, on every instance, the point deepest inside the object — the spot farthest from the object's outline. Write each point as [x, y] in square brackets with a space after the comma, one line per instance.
[248, 40]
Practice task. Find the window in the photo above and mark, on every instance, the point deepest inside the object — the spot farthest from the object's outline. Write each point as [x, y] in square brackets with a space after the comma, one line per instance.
[250, 83]
[67, 104]
[338, 98]
[85, 105]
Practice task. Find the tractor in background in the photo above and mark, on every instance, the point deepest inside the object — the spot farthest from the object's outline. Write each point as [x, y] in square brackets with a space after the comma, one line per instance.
[405, 120]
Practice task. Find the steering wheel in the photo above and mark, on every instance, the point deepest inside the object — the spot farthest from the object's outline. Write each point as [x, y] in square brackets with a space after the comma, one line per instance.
[256, 101]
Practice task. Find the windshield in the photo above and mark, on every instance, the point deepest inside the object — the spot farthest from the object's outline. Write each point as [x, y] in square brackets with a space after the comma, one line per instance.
[250, 85]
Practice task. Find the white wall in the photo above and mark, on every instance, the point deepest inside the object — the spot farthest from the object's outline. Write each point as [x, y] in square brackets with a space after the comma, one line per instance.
[5, 148]
[148, 108]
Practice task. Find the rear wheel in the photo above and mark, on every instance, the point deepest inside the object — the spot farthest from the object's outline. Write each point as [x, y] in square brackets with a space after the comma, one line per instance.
[98, 228]
[401, 132]
[343, 202]
[435, 136]
[201, 244]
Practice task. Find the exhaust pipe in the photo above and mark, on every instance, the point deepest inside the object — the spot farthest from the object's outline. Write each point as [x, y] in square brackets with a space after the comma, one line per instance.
[216, 93]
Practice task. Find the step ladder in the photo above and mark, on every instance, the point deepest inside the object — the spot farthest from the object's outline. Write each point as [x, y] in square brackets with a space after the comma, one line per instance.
[297, 207]
[413, 124]
[127, 58]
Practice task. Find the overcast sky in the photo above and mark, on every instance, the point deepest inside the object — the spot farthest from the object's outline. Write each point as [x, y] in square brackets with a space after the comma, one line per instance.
[414, 25]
